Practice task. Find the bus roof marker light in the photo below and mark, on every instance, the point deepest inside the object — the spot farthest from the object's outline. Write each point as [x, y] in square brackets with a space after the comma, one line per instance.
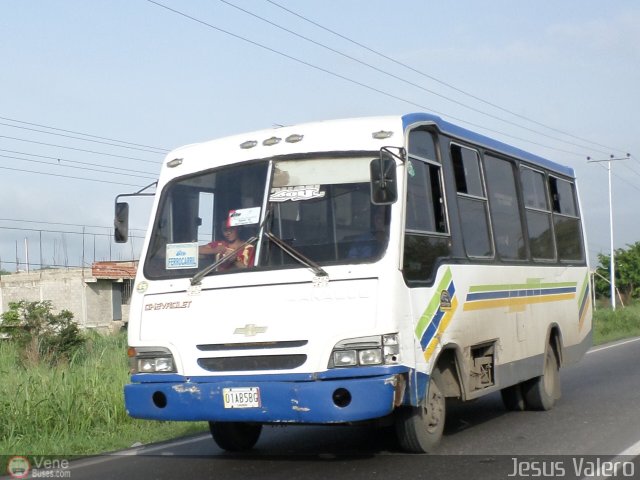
[248, 144]
[271, 141]
[382, 134]
[176, 162]
[294, 138]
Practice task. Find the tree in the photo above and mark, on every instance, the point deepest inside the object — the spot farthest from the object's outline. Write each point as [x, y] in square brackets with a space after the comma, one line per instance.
[627, 266]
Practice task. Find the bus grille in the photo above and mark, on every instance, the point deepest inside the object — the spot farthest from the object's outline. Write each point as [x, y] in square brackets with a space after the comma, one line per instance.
[212, 347]
[259, 362]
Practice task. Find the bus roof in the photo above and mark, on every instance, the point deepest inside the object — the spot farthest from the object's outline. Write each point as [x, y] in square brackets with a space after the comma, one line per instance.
[486, 142]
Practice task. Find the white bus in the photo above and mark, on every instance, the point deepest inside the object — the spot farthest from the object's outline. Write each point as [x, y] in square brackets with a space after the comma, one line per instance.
[351, 271]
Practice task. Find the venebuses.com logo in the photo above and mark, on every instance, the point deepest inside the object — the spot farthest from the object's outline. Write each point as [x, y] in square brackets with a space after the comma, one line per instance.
[18, 467]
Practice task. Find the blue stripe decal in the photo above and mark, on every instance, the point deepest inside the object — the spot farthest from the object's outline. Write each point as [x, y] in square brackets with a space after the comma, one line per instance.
[537, 292]
[584, 302]
[432, 328]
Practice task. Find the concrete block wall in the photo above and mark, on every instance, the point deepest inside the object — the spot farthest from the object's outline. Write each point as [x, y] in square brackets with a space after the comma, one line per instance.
[75, 290]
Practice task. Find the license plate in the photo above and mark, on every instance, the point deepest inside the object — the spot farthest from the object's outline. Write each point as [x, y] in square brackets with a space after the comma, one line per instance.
[244, 397]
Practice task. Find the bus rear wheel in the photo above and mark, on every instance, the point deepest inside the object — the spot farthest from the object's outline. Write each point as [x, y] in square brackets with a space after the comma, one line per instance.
[235, 436]
[541, 393]
[419, 429]
[513, 398]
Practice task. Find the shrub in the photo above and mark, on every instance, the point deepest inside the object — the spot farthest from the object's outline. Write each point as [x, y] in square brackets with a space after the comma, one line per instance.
[40, 333]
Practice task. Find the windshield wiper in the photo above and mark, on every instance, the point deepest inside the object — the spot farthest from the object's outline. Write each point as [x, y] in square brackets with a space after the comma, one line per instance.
[296, 255]
[205, 271]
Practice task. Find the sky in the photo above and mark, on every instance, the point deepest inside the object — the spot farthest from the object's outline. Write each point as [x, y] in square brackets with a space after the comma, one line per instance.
[559, 79]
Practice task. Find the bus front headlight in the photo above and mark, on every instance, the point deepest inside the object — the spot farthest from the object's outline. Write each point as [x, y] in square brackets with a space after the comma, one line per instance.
[371, 356]
[150, 360]
[365, 351]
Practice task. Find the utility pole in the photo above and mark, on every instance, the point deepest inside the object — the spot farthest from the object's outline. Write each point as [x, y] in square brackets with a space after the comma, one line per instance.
[26, 252]
[612, 267]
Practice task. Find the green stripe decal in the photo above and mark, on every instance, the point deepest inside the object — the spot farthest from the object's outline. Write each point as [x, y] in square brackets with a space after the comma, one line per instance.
[531, 283]
[434, 304]
[583, 289]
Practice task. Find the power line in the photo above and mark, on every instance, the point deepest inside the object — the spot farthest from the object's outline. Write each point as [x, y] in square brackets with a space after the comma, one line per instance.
[60, 159]
[79, 138]
[84, 134]
[22, 229]
[55, 265]
[628, 167]
[408, 82]
[65, 224]
[80, 150]
[350, 80]
[441, 82]
[72, 166]
[41, 265]
[68, 176]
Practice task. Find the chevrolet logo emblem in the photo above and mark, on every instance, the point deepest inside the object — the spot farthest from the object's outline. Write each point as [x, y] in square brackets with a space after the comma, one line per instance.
[249, 330]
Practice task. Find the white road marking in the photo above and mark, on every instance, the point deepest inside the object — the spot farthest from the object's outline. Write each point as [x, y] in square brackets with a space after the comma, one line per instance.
[107, 457]
[625, 456]
[607, 347]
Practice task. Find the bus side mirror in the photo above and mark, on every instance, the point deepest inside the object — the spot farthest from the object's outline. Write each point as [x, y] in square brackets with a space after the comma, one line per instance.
[121, 223]
[384, 185]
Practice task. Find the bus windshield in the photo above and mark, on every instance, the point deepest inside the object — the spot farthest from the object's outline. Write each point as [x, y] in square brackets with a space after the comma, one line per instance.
[320, 208]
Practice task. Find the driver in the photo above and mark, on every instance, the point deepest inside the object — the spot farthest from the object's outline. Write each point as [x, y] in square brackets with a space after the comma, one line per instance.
[243, 258]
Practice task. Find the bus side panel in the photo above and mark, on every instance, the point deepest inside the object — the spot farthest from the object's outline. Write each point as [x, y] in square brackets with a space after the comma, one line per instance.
[500, 318]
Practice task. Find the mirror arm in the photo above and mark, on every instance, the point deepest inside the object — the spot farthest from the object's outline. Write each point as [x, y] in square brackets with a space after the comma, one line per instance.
[401, 155]
[139, 193]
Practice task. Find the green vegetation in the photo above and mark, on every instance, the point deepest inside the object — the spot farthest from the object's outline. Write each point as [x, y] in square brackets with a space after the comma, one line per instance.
[75, 406]
[609, 325]
[627, 262]
[40, 334]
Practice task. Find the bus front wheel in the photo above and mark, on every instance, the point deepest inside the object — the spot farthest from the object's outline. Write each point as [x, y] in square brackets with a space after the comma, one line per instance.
[419, 429]
[235, 436]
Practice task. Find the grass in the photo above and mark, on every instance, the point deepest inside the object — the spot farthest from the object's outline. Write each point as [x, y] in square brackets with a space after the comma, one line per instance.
[609, 325]
[76, 408]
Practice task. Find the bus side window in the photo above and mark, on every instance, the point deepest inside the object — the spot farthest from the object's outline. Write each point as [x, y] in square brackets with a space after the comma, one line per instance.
[426, 229]
[566, 222]
[472, 202]
[538, 215]
[504, 208]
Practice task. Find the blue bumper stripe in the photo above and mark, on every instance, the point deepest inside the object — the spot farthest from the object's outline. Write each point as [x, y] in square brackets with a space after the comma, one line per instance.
[281, 400]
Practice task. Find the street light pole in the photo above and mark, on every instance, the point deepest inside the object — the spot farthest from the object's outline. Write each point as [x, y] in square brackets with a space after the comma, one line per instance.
[612, 266]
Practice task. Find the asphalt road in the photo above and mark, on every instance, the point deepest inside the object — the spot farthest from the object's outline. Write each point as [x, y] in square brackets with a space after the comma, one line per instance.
[598, 415]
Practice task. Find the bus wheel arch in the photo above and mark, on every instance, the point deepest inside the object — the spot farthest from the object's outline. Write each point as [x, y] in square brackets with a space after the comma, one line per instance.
[448, 373]
[555, 341]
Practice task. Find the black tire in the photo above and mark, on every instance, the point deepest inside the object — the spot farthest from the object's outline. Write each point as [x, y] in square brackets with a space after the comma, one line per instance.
[513, 398]
[235, 436]
[419, 429]
[542, 392]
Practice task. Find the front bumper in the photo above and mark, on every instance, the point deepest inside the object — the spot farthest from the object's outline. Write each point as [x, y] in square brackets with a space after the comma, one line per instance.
[284, 398]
